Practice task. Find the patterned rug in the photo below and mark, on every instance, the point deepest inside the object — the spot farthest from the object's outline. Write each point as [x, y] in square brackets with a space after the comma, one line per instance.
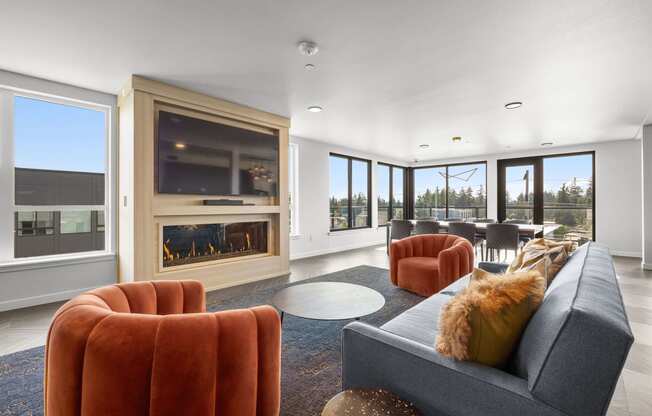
[311, 356]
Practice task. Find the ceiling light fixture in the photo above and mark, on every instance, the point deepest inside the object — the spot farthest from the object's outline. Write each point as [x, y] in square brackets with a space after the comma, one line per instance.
[546, 144]
[424, 146]
[180, 145]
[456, 139]
[310, 67]
[315, 109]
[308, 48]
[513, 105]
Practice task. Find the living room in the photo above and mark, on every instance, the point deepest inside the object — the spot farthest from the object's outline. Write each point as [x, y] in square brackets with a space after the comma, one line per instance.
[355, 208]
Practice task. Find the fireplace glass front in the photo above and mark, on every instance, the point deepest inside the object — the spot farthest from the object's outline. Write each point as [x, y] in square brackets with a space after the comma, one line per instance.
[188, 244]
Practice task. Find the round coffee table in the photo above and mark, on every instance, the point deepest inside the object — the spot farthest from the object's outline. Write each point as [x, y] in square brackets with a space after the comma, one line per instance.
[328, 301]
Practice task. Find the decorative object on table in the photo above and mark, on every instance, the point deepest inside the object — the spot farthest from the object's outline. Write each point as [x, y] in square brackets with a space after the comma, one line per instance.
[484, 322]
[368, 402]
[150, 348]
[545, 256]
[426, 227]
[398, 230]
[425, 264]
[328, 301]
[501, 237]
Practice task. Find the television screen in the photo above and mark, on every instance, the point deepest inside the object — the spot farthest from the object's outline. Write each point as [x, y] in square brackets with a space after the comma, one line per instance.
[197, 156]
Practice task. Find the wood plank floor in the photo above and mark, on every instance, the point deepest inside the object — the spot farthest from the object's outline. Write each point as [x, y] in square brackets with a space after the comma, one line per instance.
[26, 328]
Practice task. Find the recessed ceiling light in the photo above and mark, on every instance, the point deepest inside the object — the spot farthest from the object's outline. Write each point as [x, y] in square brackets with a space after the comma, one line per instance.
[456, 139]
[546, 144]
[513, 105]
[424, 146]
[180, 145]
[310, 67]
[315, 109]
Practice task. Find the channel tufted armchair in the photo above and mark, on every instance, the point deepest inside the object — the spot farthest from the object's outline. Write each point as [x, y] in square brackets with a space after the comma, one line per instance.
[425, 264]
[150, 348]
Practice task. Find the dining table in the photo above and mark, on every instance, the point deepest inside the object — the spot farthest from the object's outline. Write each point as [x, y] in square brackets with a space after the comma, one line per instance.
[524, 230]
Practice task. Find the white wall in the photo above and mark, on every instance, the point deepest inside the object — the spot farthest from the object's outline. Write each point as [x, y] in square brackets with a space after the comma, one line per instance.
[26, 283]
[646, 191]
[315, 237]
[618, 200]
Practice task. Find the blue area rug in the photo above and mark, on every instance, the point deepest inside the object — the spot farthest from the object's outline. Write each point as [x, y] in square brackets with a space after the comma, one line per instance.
[311, 356]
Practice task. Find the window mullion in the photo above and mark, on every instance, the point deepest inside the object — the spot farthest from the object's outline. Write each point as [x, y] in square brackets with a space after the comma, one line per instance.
[6, 176]
[350, 175]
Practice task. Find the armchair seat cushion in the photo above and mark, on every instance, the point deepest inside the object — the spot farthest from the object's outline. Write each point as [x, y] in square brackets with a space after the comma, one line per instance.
[416, 273]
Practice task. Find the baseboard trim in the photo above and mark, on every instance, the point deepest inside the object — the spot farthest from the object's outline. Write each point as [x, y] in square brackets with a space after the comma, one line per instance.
[42, 299]
[625, 253]
[646, 266]
[334, 250]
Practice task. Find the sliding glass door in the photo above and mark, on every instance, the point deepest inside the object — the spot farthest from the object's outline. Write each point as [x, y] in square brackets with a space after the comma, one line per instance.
[554, 190]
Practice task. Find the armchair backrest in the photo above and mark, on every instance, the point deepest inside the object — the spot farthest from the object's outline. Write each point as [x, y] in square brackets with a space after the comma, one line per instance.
[146, 348]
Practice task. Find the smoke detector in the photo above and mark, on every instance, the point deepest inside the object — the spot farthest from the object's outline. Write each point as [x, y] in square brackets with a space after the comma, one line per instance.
[308, 48]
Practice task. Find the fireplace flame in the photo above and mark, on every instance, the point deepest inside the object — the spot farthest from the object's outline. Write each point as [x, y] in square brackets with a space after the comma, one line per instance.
[168, 254]
[248, 241]
[211, 249]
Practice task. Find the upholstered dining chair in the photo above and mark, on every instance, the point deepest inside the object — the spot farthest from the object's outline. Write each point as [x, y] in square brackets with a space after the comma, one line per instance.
[467, 230]
[150, 348]
[426, 227]
[399, 229]
[501, 237]
[523, 239]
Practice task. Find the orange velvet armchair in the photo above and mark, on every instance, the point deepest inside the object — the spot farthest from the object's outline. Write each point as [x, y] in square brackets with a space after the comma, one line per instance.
[150, 348]
[425, 264]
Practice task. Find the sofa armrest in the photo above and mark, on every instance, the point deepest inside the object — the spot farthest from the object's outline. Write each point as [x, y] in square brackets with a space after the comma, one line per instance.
[374, 358]
[493, 267]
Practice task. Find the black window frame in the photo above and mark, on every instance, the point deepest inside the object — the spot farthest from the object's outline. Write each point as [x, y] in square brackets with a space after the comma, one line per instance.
[390, 210]
[350, 160]
[538, 203]
[446, 166]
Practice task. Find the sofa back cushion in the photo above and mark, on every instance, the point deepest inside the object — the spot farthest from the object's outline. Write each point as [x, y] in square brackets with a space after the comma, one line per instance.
[575, 345]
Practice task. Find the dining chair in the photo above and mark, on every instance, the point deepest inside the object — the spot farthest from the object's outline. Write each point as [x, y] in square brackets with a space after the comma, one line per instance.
[467, 230]
[399, 229]
[501, 237]
[480, 236]
[523, 239]
[426, 227]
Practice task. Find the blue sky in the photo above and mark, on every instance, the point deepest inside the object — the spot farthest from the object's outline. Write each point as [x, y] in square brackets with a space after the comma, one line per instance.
[556, 171]
[58, 137]
[339, 177]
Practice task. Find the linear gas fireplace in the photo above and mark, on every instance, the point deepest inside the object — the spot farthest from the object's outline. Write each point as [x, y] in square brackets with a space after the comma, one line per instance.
[189, 244]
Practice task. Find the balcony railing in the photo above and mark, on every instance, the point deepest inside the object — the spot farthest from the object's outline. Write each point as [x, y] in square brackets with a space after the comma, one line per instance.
[465, 213]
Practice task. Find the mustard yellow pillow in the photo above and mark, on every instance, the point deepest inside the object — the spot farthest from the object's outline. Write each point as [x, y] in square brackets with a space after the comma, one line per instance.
[484, 322]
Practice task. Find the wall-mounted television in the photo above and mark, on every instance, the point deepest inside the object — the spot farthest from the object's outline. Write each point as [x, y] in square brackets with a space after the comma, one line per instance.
[202, 157]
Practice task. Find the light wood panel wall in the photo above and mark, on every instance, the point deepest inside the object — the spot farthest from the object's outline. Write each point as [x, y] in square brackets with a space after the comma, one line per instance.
[142, 211]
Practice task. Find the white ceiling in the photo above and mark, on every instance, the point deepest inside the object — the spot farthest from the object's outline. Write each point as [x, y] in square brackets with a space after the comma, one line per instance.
[390, 74]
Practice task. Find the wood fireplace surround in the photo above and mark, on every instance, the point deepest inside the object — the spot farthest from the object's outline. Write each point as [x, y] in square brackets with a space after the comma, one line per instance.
[147, 219]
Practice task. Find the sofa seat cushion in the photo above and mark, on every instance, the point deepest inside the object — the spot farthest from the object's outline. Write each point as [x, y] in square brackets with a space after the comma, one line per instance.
[419, 323]
[417, 274]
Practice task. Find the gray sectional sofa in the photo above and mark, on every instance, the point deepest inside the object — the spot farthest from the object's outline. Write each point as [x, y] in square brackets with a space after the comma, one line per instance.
[567, 363]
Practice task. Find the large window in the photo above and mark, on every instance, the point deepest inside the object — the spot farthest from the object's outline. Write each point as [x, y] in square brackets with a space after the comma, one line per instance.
[556, 191]
[57, 157]
[293, 187]
[390, 184]
[349, 192]
[451, 191]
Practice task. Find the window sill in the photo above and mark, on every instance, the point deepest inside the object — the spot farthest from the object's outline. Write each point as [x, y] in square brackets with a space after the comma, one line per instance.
[55, 261]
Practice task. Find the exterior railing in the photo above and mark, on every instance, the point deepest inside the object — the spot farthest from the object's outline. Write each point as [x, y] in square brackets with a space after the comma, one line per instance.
[453, 212]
